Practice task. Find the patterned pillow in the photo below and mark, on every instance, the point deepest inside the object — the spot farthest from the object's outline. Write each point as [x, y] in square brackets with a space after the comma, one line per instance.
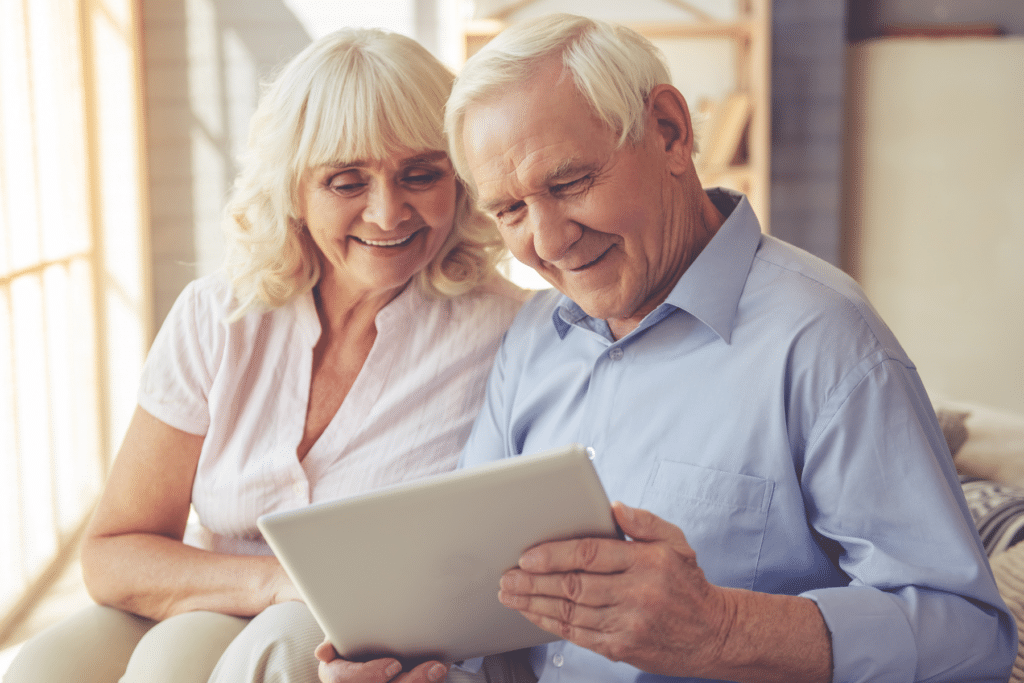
[998, 512]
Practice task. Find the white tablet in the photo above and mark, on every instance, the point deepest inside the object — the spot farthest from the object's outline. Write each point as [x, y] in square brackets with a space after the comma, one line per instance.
[411, 571]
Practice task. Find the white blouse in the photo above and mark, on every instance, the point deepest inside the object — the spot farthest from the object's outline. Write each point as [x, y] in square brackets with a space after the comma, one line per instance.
[245, 386]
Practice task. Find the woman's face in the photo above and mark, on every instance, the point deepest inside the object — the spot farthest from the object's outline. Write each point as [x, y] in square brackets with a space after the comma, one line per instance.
[378, 222]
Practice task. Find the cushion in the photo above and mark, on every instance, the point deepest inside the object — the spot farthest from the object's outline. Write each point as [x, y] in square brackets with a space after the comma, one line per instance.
[991, 445]
[998, 512]
[1008, 569]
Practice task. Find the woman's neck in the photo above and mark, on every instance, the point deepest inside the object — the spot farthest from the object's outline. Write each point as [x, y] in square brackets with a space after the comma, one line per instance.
[345, 312]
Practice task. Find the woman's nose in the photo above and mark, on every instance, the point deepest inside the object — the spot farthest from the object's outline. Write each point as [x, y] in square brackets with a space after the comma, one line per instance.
[386, 207]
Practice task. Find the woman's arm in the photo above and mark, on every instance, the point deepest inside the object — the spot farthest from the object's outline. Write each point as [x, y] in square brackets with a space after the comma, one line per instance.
[133, 557]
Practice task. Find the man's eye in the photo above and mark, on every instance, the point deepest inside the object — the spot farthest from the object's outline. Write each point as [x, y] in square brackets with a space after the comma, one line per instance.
[578, 185]
[510, 210]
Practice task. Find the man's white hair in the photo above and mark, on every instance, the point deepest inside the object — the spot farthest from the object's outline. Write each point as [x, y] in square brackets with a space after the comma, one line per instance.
[613, 67]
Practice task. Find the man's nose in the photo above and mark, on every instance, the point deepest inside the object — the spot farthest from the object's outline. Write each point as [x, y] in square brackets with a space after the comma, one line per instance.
[553, 232]
[386, 207]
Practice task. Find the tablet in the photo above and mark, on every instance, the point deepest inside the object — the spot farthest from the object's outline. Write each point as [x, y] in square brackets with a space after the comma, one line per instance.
[411, 571]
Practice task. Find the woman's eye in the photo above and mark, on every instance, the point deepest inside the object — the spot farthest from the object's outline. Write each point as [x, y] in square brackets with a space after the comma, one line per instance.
[346, 183]
[347, 187]
[421, 178]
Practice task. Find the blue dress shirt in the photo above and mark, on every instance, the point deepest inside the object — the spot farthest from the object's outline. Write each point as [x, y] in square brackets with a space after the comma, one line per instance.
[766, 410]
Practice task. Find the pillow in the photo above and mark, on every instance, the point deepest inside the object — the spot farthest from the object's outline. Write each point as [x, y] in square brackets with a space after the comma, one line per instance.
[991, 445]
[1008, 569]
[953, 427]
[998, 512]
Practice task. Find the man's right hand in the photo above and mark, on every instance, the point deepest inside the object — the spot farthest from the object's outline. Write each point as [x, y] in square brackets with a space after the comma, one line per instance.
[333, 669]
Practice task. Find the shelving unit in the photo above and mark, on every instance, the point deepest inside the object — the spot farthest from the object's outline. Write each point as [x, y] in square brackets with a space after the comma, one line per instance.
[735, 125]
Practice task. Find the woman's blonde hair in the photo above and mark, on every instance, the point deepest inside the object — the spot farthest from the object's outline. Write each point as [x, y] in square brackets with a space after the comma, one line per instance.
[353, 94]
[613, 67]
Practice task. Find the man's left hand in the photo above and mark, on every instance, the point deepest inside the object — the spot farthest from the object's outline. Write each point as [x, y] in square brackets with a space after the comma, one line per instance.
[645, 601]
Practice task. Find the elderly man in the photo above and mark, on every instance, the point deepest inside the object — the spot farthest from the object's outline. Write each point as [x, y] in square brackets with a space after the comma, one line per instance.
[793, 513]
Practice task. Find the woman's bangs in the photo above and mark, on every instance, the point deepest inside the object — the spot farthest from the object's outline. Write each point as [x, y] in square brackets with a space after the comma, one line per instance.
[364, 121]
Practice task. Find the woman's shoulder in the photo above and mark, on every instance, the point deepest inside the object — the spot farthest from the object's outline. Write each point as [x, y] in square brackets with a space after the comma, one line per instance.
[211, 291]
[496, 298]
[504, 289]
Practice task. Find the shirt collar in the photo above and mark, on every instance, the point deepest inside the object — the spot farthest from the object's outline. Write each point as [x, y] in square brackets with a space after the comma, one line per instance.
[710, 288]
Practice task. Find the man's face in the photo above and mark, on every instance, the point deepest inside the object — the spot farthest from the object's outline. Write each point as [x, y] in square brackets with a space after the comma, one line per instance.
[601, 223]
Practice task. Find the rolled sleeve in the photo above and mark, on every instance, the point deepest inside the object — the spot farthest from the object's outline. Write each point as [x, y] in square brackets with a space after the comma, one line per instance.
[871, 638]
[921, 604]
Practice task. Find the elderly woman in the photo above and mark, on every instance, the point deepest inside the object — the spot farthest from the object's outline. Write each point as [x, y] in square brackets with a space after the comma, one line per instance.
[345, 347]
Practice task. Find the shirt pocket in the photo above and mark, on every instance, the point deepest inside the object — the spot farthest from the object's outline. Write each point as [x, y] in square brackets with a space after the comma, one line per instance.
[723, 515]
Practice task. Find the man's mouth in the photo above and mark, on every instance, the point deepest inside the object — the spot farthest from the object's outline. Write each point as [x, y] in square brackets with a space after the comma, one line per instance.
[590, 263]
[385, 243]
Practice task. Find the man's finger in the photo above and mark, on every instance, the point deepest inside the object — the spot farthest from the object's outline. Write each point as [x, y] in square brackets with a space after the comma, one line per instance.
[593, 590]
[344, 671]
[556, 609]
[641, 525]
[595, 555]
[379, 671]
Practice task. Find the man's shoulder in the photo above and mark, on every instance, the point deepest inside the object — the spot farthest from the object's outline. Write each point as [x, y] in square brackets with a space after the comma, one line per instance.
[536, 313]
[807, 288]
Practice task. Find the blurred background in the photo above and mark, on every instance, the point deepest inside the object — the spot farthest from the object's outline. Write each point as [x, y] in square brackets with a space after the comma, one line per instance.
[884, 136]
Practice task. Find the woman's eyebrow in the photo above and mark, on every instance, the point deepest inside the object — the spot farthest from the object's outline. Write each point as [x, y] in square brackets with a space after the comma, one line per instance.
[427, 157]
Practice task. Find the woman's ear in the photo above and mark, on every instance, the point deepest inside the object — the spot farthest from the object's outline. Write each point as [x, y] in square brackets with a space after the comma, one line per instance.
[671, 117]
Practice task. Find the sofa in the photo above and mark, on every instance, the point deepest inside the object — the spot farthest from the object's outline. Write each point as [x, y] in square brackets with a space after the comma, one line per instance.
[988, 450]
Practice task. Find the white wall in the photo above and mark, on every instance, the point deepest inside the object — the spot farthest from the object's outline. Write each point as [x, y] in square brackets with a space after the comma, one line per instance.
[935, 206]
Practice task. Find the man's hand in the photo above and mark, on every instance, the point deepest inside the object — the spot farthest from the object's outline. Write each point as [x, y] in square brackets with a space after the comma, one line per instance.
[644, 602]
[333, 669]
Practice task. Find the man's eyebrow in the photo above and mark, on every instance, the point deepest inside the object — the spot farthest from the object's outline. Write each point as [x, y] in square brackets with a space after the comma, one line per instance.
[567, 169]
[493, 206]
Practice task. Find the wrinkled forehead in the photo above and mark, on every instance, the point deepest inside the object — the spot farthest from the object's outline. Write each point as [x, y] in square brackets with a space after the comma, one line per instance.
[524, 142]
[545, 112]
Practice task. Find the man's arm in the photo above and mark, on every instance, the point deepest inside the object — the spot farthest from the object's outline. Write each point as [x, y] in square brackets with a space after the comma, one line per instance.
[646, 602]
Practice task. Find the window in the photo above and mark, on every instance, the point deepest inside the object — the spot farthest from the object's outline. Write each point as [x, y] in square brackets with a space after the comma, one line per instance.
[74, 301]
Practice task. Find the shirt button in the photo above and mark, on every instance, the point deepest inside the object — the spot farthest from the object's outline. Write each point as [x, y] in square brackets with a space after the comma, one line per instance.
[558, 660]
[591, 453]
[297, 487]
[616, 353]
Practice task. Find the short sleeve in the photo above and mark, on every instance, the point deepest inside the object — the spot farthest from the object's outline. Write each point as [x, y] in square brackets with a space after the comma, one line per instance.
[181, 364]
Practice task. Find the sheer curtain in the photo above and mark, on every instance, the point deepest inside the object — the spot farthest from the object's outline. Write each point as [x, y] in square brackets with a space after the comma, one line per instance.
[74, 294]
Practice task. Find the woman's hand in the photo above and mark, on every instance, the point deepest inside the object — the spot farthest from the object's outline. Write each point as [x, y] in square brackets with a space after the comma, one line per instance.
[133, 557]
[333, 669]
[282, 588]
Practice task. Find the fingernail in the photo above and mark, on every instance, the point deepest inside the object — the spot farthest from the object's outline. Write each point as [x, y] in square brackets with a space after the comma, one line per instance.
[626, 511]
[436, 673]
[529, 559]
[394, 668]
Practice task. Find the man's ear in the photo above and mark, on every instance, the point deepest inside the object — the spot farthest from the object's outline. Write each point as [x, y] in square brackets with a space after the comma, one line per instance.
[671, 116]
